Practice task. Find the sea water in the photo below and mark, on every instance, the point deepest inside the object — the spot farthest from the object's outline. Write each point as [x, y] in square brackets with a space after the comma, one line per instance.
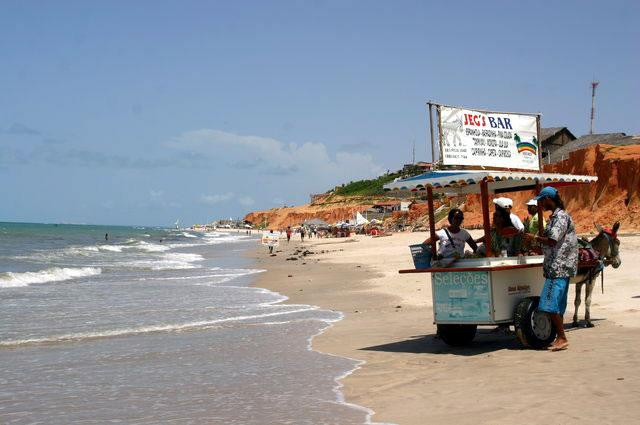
[155, 325]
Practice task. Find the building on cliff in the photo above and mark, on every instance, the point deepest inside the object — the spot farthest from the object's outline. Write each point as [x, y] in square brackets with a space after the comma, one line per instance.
[418, 167]
[553, 138]
[557, 142]
[615, 139]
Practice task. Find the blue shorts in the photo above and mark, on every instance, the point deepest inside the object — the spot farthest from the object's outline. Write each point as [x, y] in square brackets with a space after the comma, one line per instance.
[553, 298]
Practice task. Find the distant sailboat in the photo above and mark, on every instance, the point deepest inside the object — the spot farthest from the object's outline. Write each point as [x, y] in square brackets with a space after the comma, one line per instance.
[177, 224]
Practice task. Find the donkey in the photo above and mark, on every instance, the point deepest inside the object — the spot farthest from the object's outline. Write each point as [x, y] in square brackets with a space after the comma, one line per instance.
[608, 246]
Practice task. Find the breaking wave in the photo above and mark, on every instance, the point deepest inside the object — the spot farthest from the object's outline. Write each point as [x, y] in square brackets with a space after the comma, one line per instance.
[55, 274]
[169, 261]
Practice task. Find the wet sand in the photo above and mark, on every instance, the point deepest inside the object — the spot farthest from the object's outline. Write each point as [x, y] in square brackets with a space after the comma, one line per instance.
[411, 377]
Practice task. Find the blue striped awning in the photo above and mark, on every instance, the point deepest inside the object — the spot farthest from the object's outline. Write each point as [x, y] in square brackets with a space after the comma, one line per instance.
[468, 181]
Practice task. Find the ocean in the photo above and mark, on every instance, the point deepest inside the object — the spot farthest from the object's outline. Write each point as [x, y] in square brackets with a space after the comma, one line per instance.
[155, 326]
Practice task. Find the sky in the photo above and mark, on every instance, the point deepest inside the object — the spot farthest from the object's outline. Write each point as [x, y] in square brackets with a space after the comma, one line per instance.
[145, 112]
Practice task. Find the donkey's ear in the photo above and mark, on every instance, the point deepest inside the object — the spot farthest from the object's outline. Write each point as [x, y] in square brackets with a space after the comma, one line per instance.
[598, 227]
[616, 226]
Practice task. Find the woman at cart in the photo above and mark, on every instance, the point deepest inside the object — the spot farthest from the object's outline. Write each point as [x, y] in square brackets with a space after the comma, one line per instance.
[453, 237]
[505, 238]
[560, 245]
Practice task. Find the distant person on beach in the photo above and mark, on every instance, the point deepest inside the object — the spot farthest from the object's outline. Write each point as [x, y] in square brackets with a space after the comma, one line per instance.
[106, 236]
[270, 244]
[453, 237]
[560, 245]
[302, 234]
[288, 234]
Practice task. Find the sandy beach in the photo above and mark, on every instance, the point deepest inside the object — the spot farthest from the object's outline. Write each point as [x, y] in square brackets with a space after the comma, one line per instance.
[411, 377]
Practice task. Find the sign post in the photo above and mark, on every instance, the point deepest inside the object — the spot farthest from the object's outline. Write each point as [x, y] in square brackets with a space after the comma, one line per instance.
[433, 149]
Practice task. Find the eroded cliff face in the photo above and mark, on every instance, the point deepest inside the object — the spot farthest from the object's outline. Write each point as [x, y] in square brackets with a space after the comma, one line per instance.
[331, 210]
[613, 198]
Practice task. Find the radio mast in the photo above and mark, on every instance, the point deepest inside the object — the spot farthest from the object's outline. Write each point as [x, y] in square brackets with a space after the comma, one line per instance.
[413, 151]
[594, 84]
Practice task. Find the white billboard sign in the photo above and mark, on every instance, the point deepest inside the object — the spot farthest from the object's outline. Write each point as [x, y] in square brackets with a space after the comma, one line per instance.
[270, 238]
[489, 139]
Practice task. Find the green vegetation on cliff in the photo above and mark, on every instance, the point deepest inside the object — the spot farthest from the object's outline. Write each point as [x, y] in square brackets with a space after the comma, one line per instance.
[366, 187]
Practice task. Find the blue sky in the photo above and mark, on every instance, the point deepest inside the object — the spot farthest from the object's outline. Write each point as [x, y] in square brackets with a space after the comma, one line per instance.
[143, 112]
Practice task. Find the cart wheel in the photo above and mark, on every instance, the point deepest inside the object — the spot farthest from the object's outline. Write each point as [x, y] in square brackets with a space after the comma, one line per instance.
[534, 328]
[457, 335]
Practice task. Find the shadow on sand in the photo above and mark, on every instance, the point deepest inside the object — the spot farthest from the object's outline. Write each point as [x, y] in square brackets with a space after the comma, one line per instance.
[486, 341]
[581, 325]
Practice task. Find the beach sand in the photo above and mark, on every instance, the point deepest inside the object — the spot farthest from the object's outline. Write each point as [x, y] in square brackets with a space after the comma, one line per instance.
[411, 377]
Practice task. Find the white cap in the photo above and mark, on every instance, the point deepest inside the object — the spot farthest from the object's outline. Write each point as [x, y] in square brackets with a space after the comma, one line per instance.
[503, 202]
[532, 202]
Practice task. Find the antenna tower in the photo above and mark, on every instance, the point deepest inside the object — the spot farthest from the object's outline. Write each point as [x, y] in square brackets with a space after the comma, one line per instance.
[413, 151]
[594, 84]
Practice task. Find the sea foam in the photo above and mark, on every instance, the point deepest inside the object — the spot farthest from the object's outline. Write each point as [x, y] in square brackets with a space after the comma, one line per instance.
[151, 329]
[168, 261]
[55, 274]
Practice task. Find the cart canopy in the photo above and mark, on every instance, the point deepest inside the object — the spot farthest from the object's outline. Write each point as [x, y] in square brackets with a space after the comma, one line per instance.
[468, 181]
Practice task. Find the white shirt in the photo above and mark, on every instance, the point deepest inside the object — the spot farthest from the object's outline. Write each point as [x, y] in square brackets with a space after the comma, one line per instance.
[517, 223]
[447, 249]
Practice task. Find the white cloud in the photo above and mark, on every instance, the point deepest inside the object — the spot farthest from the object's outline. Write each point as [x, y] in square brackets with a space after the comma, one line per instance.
[216, 199]
[225, 197]
[246, 200]
[156, 194]
[259, 172]
[309, 160]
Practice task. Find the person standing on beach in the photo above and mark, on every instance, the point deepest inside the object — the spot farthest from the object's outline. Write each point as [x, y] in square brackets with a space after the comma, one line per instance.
[271, 243]
[288, 234]
[302, 234]
[560, 245]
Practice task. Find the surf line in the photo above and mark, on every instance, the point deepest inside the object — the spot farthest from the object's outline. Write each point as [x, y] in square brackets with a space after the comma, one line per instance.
[81, 336]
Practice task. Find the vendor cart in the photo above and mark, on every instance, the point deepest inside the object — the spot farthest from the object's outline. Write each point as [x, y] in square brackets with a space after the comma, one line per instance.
[493, 290]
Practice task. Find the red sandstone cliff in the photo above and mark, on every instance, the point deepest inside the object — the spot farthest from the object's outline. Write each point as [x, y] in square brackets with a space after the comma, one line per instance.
[613, 198]
[332, 211]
